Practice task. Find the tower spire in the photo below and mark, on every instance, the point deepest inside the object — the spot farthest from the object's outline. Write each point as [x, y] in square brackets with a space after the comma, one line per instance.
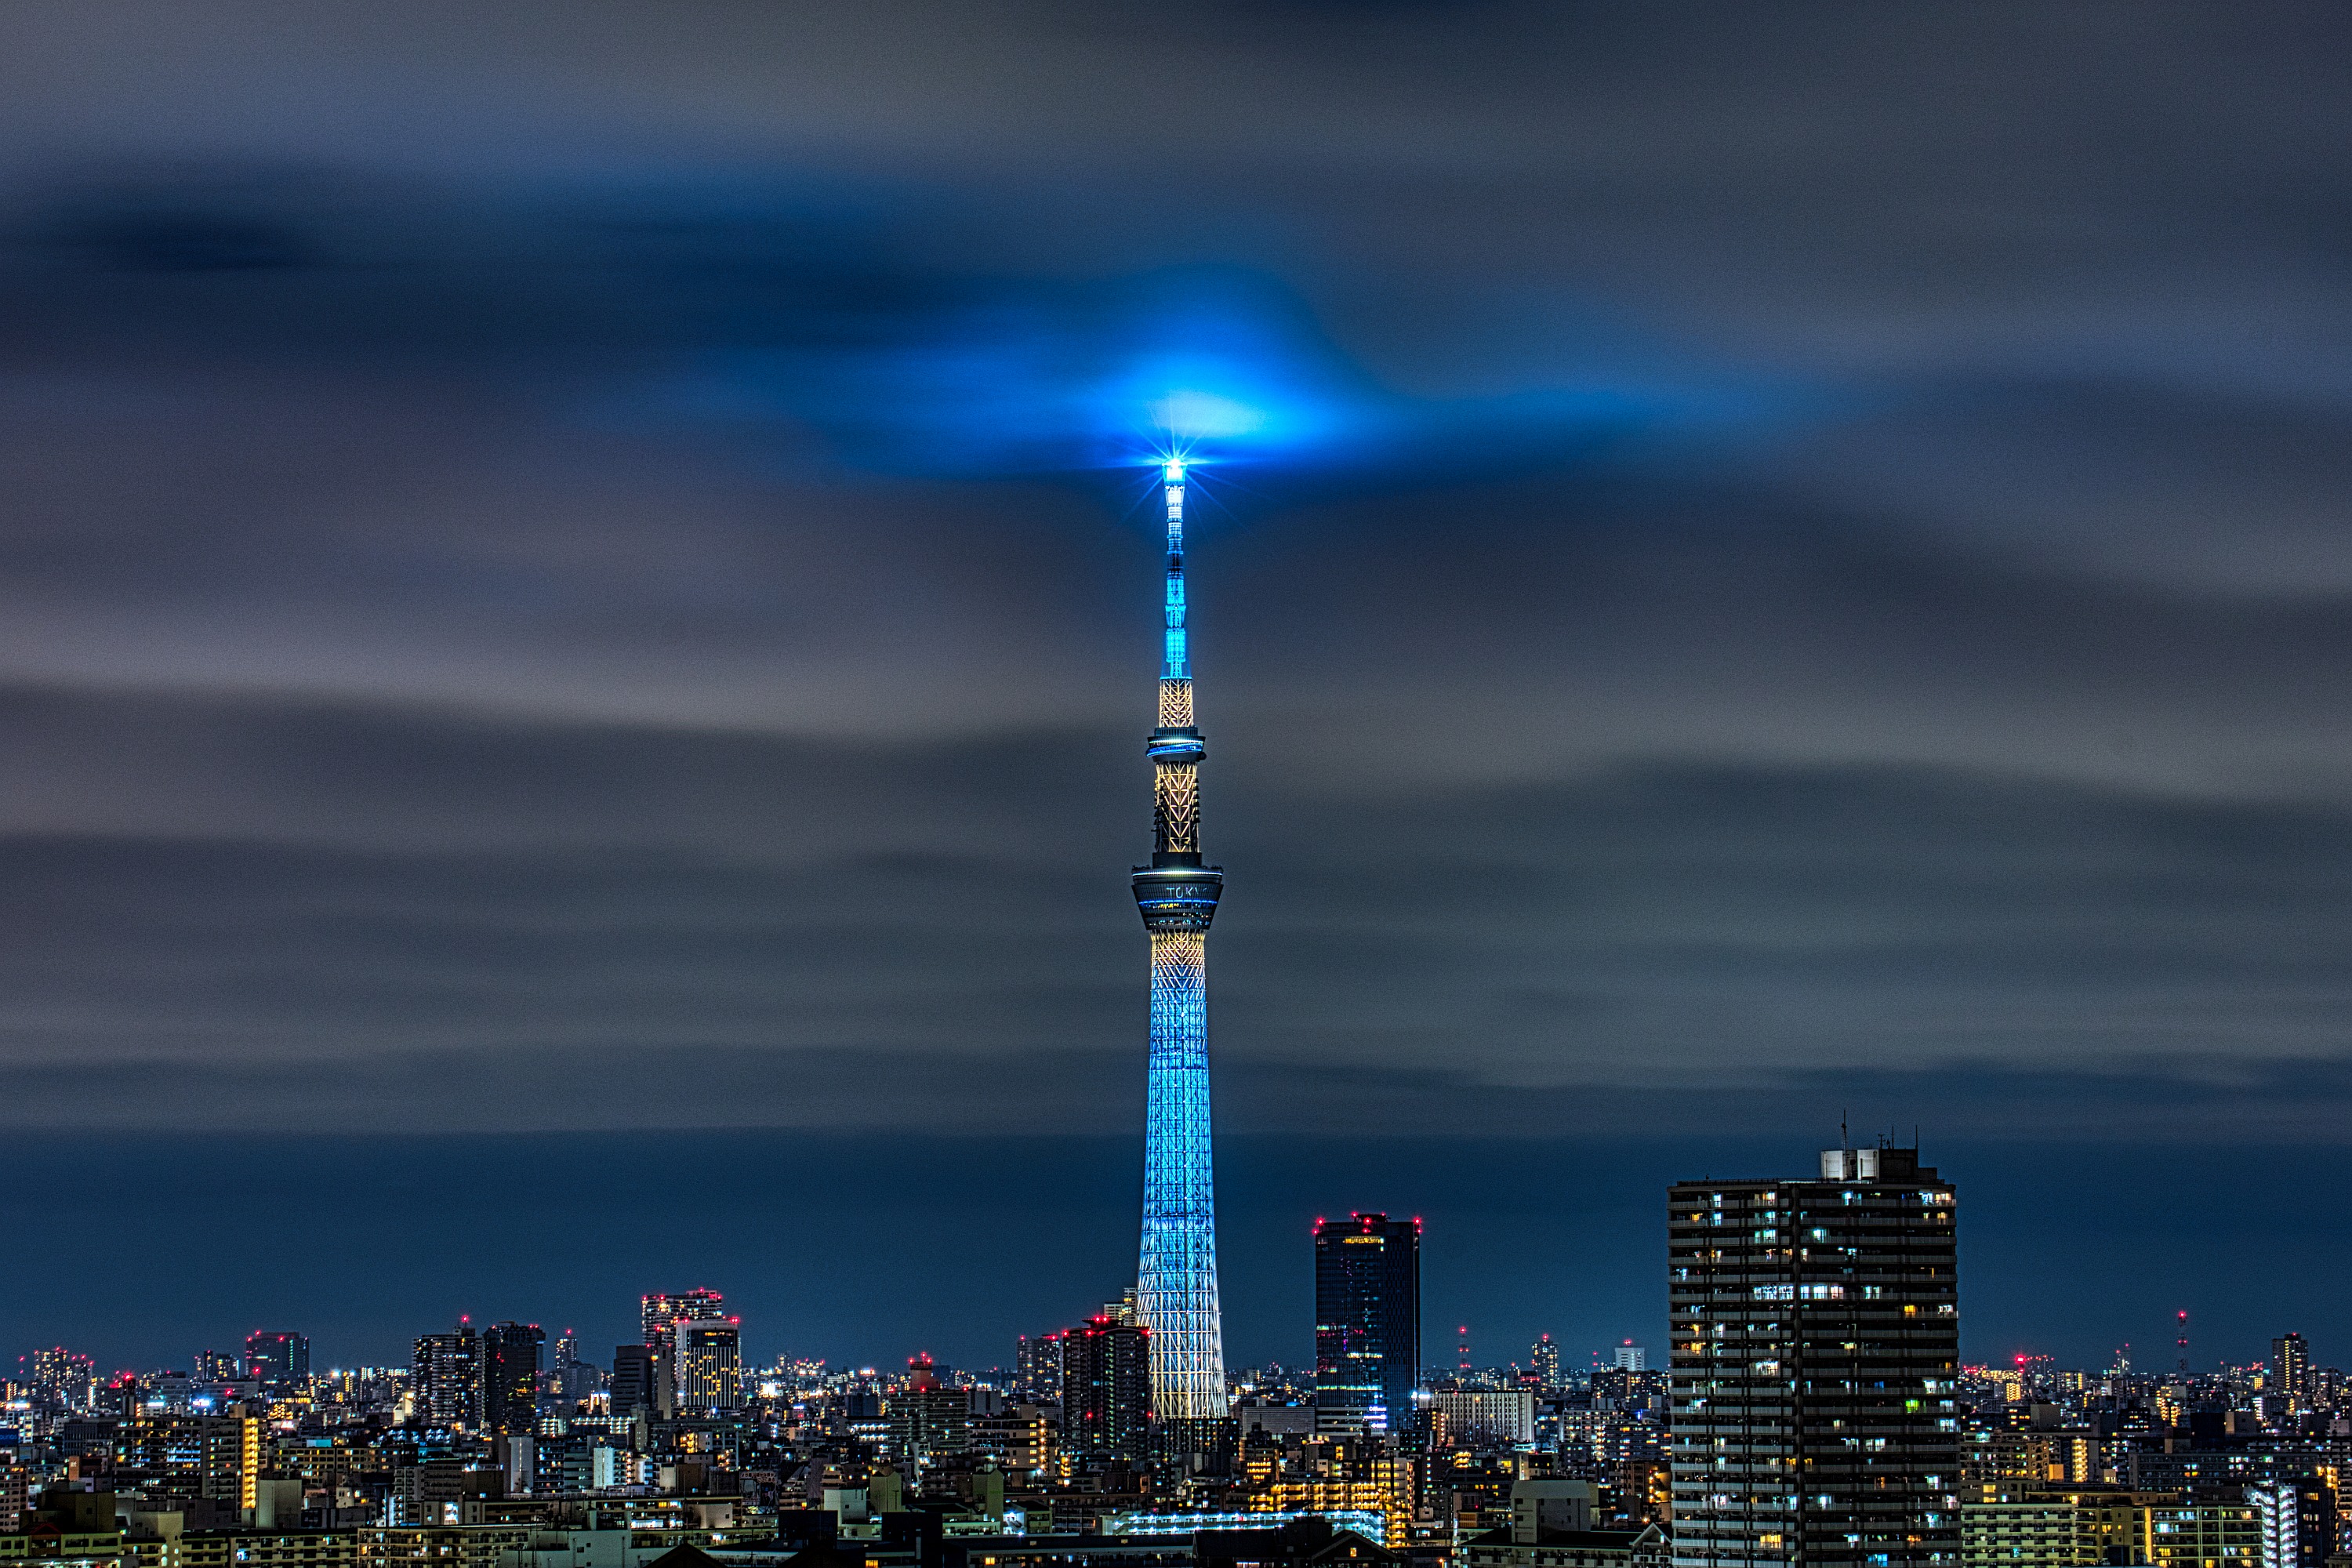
[1176, 1281]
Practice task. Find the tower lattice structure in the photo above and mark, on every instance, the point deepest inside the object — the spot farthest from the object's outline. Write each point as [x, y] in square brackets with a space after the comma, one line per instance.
[1176, 1283]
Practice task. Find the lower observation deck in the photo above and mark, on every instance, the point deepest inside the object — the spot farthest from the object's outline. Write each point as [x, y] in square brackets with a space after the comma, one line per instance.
[1178, 898]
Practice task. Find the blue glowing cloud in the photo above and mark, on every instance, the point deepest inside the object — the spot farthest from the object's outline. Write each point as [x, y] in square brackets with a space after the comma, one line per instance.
[1021, 378]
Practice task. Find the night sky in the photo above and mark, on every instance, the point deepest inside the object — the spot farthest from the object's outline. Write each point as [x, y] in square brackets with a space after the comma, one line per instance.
[578, 605]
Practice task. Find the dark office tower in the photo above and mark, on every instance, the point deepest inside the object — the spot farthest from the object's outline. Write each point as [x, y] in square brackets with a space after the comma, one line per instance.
[446, 1375]
[277, 1360]
[1106, 1391]
[1037, 1369]
[632, 1388]
[2290, 1370]
[1366, 1322]
[1816, 1340]
[510, 1377]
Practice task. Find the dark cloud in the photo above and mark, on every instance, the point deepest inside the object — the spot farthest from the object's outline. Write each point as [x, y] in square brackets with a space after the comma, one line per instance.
[2205, 496]
[360, 905]
[1754, 564]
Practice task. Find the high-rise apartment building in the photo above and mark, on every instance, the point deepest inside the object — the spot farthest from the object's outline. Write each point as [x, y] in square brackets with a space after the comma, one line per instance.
[446, 1374]
[177, 1453]
[1037, 1369]
[1021, 1440]
[2290, 1370]
[1543, 1361]
[64, 1377]
[1366, 1322]
[277, 1359]
[661, 1312]
[2195, 1531]
[1106, 1390]
[928, 1415]
[710, 1365]
[511, 1353]
[1816, 1340]
[2297, 1519]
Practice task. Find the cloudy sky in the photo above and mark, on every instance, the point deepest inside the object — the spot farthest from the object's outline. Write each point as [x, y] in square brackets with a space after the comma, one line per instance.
[581, 569]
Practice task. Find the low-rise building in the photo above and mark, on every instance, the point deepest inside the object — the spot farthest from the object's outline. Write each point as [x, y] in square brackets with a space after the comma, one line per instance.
[1554, 1548]
[2086, 1527]
[2202, 1535]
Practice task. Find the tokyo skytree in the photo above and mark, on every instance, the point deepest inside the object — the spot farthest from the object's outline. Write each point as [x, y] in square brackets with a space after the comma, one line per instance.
[1176, 1282]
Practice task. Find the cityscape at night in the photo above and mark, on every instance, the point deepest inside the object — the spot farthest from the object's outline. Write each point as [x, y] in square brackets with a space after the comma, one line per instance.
[1813, 1328]
[611, 618]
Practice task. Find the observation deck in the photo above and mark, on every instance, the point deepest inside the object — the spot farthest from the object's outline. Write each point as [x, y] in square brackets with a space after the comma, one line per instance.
[1178, 897]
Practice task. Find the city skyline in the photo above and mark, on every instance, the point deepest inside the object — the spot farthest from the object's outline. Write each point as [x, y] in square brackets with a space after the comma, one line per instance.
[577, 583]
[1813, 1408]
[1362, 1302]
[2015, 1306]
[574, 599]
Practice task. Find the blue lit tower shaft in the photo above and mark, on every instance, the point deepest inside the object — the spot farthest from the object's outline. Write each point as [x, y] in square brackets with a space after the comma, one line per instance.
[1176, 1283]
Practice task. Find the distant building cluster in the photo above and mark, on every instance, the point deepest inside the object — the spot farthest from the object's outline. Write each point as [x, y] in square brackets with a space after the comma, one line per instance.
[1810, 1409]
[500, 1446]
[2169, 1467]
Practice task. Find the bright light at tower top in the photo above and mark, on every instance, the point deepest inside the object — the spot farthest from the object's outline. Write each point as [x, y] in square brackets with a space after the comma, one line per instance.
[1173, 470]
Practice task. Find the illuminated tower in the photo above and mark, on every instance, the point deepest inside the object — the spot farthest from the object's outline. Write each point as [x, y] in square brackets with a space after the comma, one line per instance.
[1176, 1282]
